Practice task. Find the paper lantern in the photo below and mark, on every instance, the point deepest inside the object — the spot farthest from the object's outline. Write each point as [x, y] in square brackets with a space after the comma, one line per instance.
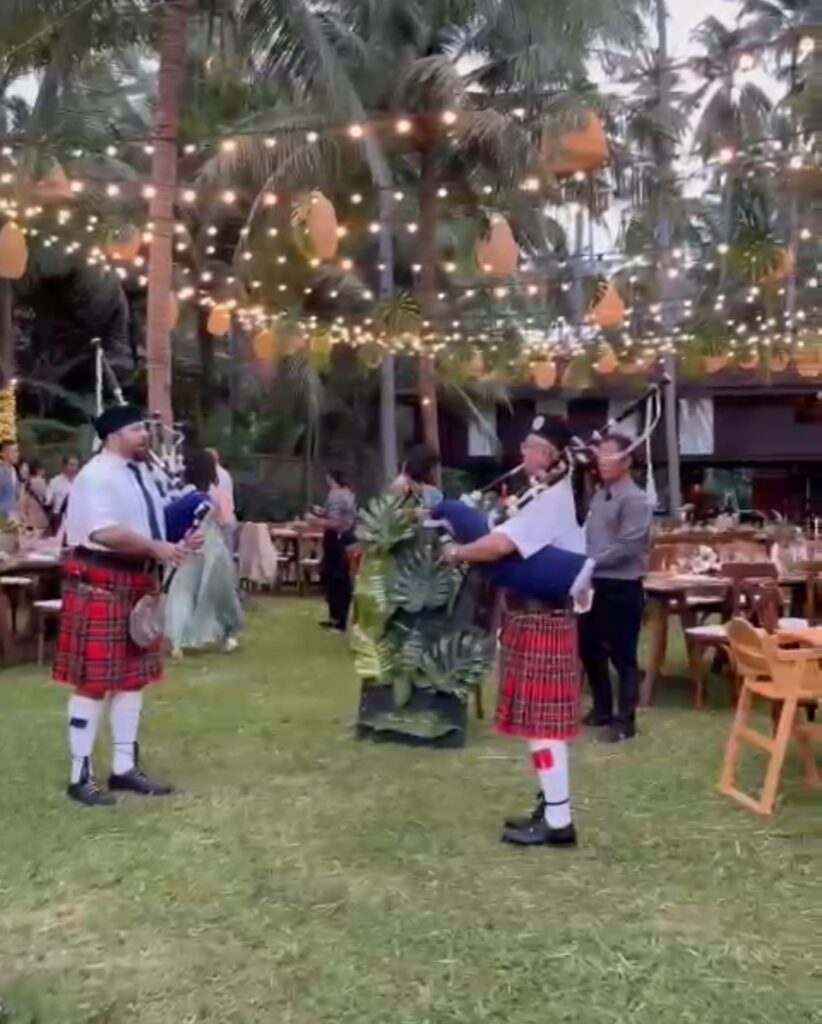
[583, 150]
[782, 267]
[544, 374]
[714, 364]
[497, 252]
[14, 253]
[126, 245]
[219, 321]
[808, 363]
[749, 362]
[264, 346]
[607, 361]
[53, 187]
[8, 413]
[778, 363]
[321, 223]
[609, 311]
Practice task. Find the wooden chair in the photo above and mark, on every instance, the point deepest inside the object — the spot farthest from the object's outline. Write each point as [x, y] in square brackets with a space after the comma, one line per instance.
[813, 572]
[786, 678]
[45, 612]
[310, 561]
[754, 595]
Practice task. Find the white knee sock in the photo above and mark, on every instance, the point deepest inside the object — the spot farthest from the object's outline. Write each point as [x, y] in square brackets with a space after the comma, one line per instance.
[125, 724]
[83, 718]
[550, 760]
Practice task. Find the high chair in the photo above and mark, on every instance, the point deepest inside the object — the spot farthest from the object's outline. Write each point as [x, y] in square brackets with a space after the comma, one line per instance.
[788, 679]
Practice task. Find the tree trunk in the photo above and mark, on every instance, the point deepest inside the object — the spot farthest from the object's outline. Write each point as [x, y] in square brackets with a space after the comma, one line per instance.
[427, 293]
[175, 18]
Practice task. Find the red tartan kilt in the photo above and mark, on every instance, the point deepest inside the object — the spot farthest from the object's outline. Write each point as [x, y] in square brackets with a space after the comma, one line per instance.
[540, 676]
[95, 653]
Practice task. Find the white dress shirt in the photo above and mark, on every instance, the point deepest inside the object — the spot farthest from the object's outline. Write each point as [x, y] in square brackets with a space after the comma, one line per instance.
[106, 493]
[59, 489]
[550, 518]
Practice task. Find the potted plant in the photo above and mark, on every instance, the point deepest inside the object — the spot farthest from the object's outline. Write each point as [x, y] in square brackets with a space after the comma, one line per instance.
[416, 663]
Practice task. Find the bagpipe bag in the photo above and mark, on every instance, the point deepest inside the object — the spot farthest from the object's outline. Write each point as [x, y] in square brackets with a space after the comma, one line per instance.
[546, 576]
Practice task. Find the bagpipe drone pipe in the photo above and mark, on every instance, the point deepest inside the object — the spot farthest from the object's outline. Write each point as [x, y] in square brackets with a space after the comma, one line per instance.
[549, 574]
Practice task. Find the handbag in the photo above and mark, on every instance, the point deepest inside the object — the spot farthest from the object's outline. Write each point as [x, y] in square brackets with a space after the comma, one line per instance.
[147, 618]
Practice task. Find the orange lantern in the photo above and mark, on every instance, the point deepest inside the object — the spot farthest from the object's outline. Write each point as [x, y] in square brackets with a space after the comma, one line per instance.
[126, 245]
[544, 374]
[583, 150]
[54, 186]
[782, 268]
[808, 363]
[14, 253]
[264, 346]
[750, 362]
[607, 361]
[497, 252]
[219, 321]
[778, 362]
[715, 364]
[609, 311]
[321, 223]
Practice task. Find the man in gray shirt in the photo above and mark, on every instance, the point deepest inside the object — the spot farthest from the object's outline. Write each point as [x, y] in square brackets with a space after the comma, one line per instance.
[618, 532]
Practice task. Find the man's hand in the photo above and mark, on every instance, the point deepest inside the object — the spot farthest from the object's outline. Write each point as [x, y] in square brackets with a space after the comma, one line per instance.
[194, 540]
[169, 554]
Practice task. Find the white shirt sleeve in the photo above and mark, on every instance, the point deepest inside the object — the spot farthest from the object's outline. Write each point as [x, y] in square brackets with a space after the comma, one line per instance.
[540, 523]
[92, 508]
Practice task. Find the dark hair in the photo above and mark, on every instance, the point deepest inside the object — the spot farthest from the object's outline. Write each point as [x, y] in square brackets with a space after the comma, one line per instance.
[621, 441]
[70, 458]
[339, 477]
[8, 443]
[200, 469]
[36, 467]
[420, 464]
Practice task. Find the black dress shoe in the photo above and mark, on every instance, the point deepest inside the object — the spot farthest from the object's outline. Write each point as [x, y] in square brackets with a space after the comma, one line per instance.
[136, 781]
[618, 732]
[538, 814]
[540, 833]
[89, 794]
[596, 720]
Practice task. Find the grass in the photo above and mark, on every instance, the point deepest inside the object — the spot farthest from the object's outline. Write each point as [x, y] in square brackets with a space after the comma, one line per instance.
[301, 877]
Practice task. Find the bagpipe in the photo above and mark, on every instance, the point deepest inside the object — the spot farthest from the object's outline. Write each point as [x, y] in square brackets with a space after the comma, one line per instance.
[166, 460]
[551, 573]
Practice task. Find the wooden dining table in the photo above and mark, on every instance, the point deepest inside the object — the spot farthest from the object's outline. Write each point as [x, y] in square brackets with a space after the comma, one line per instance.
[689, 598]
[17, 618]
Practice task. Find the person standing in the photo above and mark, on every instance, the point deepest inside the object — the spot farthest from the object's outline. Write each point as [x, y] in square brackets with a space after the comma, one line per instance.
[60, 488]
[9, 482]
[222, 495]
[539, 678]
[32, 507]
[336, 520]
[618, 533]
[115, 528]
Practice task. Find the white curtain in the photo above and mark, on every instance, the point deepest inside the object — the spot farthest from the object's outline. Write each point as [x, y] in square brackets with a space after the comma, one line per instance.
[696, 426]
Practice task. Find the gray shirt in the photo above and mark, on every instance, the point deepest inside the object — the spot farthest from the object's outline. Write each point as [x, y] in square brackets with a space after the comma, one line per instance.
[341, 508]
[618, 531]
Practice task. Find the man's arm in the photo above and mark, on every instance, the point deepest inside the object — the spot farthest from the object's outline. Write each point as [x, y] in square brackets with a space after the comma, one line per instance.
[490, 548]
[632, 541]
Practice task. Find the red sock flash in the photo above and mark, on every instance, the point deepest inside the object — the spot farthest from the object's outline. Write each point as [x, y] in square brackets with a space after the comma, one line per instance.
[542, 760]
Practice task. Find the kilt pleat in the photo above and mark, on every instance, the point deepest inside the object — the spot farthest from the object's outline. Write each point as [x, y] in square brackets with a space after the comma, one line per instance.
[95, 653]
[540, 676]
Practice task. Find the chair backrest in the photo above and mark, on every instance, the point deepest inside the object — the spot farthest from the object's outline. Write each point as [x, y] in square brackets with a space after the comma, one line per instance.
[754, 592]
[747, 650]
[759, 656]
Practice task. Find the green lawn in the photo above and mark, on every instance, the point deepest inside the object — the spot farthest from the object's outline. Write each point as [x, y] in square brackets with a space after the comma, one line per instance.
[301, 877]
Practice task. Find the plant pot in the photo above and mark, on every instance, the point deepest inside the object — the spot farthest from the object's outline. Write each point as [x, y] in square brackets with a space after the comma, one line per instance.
[415, 724]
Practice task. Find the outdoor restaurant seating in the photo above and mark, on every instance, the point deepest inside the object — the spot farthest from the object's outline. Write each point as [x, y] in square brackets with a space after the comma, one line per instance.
[790, 679]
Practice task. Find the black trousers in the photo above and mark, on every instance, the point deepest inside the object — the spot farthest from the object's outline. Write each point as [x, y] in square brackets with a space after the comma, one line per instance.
[610, 632]
[336, 576]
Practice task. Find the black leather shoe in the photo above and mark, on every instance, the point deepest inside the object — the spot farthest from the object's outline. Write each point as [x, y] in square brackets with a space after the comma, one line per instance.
[538, 814]
[618, 732]
[89, 794]
[136, 781]
[540, 833]
[594, 720]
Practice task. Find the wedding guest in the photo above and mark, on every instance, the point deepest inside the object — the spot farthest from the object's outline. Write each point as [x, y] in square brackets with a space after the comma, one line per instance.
[9, 457]
[32, 507]
[336, 520]
[60, 488]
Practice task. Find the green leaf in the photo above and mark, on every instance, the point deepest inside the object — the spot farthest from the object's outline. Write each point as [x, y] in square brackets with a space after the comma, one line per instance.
[386, 523]
[456, 663]
[403, 688]
[422, 581]
[426, 725]
[374, 660]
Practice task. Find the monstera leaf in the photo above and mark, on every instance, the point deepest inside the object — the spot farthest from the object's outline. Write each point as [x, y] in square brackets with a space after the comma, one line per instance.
[374, 660]
[422, 581]
[387, 522]
[373, 605]
[456, 664]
